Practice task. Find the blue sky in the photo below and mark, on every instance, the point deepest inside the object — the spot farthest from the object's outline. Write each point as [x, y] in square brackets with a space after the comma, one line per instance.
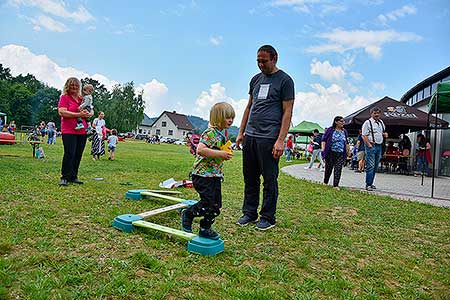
[187, 55]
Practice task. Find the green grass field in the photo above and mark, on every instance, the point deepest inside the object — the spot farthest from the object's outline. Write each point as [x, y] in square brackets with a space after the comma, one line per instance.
[58, 243]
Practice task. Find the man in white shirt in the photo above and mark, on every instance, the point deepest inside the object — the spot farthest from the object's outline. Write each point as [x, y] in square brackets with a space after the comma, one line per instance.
[373, 134]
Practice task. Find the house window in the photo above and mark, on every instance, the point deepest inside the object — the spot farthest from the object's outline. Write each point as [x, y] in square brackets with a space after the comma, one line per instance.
[158, 131]
[140, 130]
[184, 133]
[170, 132]
[164, 124]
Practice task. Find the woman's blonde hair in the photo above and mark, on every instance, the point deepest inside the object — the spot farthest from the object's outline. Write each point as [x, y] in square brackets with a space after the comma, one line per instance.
[70, 81]
[219, 112]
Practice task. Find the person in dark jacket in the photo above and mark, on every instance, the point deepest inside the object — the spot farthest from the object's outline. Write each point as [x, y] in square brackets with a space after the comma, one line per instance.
[335, 149]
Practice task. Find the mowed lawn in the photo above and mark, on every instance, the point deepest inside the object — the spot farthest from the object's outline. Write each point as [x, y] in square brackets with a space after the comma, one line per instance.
[58, 243]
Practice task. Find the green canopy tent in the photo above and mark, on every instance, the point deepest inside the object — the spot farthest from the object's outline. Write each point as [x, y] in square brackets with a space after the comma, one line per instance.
[439, 104]
[305, 129]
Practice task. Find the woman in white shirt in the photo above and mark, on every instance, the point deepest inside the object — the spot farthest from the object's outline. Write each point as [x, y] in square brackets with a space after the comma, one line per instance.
[98, 144]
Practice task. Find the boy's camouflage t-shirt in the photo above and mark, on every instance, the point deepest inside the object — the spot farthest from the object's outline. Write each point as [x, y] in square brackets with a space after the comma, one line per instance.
[205, 166]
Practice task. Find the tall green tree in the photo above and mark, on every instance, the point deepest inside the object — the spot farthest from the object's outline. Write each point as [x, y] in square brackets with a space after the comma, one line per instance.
[20, 104]
[125, 110]
[45, 105]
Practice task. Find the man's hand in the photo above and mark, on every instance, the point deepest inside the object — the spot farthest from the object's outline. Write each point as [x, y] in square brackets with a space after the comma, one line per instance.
[277, 149]
[239, 140]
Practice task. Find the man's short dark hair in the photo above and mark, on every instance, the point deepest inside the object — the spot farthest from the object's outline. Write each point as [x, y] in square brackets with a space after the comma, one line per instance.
[375, 108]
[316, 130]
[269, 49]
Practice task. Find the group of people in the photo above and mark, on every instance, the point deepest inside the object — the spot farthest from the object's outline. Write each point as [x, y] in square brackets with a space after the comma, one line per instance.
[75, 110]
[335, 150]
[262, 133]
[5, 128]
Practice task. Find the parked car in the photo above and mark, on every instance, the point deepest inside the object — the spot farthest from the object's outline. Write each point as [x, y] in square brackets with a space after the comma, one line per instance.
[180, 143]
[141, 136]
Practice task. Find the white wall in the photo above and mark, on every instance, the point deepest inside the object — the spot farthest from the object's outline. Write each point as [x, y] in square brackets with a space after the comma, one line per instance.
[164, 131]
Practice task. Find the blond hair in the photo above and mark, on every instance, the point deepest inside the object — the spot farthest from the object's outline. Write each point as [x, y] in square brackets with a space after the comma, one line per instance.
[70, 81]
[90, 86]
[219, 112]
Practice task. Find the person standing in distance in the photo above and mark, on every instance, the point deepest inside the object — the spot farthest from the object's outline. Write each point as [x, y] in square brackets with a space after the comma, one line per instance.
[264, 126]
[373, 134]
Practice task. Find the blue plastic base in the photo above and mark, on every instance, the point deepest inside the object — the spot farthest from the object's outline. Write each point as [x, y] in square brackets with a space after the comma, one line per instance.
[134, 194]
[124, 222]
[189, 202]
[205, 246]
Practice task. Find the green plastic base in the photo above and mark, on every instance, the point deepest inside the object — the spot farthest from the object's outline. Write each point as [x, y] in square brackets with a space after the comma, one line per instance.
[125, 222]
[205, 246]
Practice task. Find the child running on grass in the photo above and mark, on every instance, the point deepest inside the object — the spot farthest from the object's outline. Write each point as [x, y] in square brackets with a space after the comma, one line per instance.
[112, 144]
[207, 171]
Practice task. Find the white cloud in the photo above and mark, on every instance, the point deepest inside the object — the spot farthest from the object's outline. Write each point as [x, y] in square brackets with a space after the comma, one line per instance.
[302, 6]
[48, 23]
[322, 104]
[396, 14]
[216, 40]
[328, 9]
[378, 86]
[369, 40]
[356, 76]
[326, 71]
[129, 28]
[216, 93]
[154, 95]
[22, 61]
[56, 8]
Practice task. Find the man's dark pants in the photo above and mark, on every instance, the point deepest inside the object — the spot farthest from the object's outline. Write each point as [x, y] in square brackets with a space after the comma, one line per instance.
[258, 160]
[73, 151]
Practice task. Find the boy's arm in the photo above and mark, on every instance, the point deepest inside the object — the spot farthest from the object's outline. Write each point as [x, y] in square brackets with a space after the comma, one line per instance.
[204, 151]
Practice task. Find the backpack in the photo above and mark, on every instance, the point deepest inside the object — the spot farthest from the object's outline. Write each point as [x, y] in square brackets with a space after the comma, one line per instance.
[194, 139]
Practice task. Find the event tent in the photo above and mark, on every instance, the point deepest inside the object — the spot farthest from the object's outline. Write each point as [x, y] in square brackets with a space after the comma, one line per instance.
[306, 128]
[398, 117]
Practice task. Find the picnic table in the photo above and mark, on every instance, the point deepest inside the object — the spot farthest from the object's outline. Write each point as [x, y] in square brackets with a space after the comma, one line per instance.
[392, 161]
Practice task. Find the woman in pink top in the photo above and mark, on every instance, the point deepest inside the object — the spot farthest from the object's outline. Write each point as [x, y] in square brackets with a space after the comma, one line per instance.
[74, 141]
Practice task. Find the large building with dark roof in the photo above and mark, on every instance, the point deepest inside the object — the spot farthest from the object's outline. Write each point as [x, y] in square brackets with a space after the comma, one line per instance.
[418, 96]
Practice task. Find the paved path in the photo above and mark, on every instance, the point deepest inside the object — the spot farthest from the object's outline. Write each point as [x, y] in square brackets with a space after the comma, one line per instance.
[397, 186]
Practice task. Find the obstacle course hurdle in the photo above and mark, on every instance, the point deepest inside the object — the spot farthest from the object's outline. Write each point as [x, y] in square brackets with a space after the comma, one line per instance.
[196, 244]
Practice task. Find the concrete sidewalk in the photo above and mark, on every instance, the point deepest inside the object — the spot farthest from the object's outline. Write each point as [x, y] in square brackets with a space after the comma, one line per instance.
[394, 185]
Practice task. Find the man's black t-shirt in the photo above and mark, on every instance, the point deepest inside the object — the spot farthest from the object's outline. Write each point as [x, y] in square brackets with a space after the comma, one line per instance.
[268, 93]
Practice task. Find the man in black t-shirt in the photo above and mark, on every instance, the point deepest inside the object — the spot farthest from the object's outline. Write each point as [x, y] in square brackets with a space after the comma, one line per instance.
[264, 127]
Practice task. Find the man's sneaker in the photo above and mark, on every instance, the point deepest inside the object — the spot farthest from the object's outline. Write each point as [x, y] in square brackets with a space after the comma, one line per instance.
[307, 168]
[369, 188]
[79, 126]
[186, 222]
[208, 233]
[264, 224]
[245, 220]
[373, 187]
